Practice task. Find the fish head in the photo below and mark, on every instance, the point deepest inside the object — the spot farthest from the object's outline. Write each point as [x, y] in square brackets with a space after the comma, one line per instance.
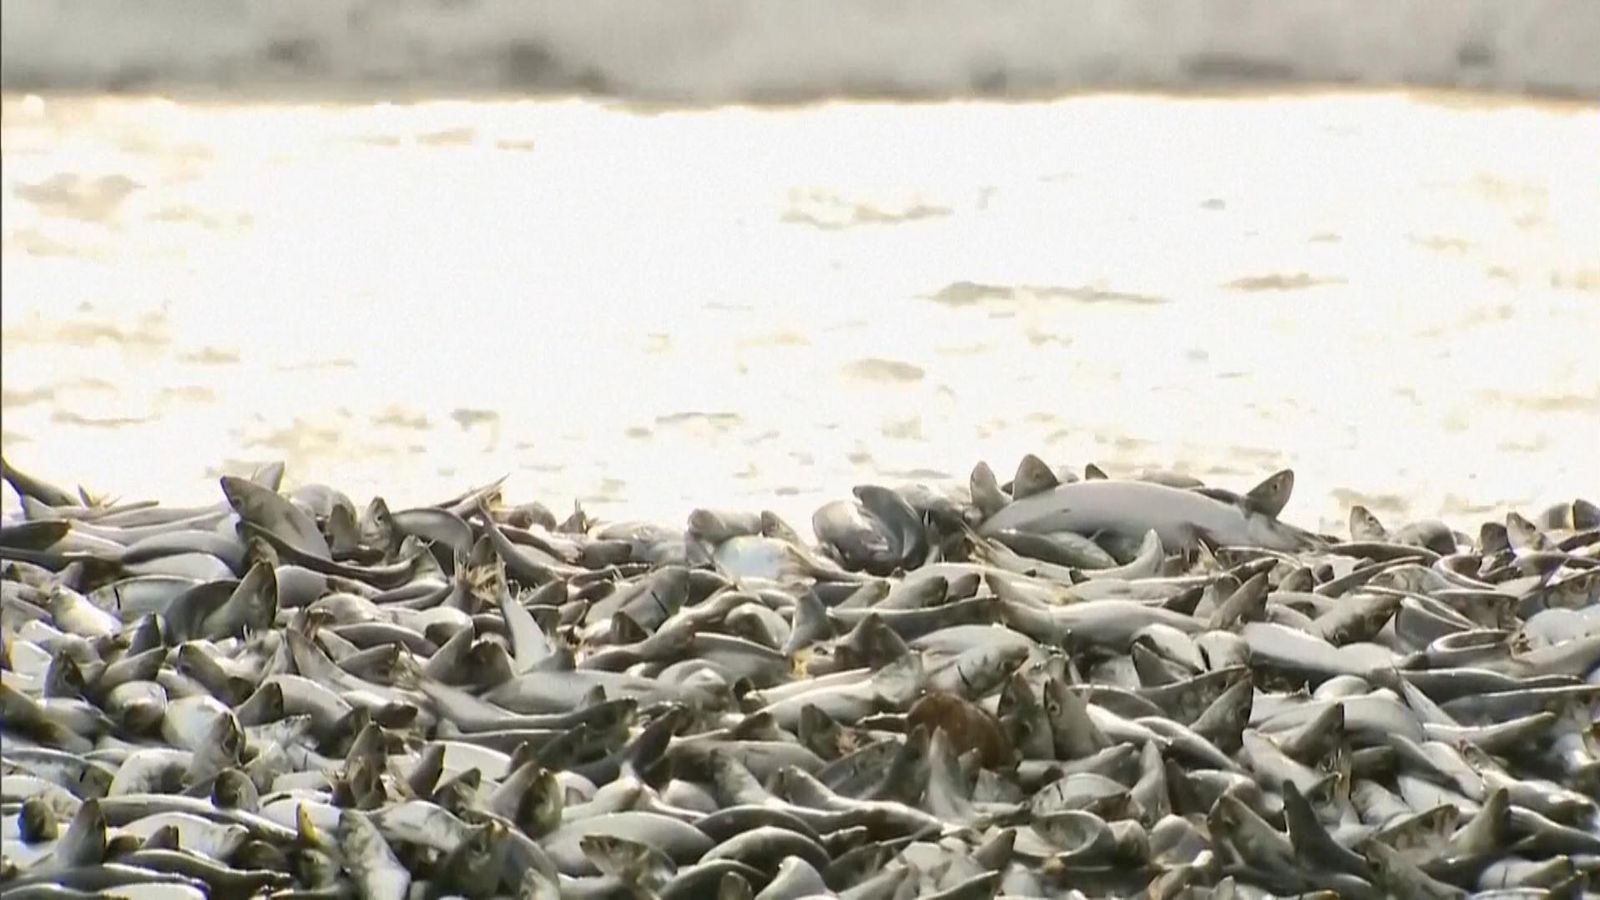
[1365, 526]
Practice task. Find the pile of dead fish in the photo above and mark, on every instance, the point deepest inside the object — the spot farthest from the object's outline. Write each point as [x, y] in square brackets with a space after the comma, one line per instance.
[1054, 687]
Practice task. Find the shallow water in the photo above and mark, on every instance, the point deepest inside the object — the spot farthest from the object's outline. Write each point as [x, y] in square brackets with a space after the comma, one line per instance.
[1397, 295]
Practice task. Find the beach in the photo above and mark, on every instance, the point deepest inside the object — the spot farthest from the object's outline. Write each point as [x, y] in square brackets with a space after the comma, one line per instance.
[850, 449]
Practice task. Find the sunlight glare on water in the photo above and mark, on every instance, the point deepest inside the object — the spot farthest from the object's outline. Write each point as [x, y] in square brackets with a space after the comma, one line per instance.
[1397, 295]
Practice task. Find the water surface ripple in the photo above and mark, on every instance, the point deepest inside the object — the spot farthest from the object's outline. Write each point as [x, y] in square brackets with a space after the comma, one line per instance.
[1398, 295]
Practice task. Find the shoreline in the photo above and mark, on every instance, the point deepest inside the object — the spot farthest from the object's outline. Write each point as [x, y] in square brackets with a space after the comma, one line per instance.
[291, 94]
[732, 51]
[1461, 512]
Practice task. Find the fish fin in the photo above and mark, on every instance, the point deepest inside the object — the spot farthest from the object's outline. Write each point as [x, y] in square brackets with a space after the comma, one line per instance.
[1092, 472]
[424, 565]
[811, 623]
[269, 475]
[93, 502]
[1033, 476]
[1186, 601]
[344, 537]
[84, 842]
[309, 834]
[529, 643]
[424, 777]
[1246, 603]
[773, 526]
[708, 553]
[987, 496]
[624, 630]
[650, 746]
[561, 659]
[578, 522]
[1205, 540]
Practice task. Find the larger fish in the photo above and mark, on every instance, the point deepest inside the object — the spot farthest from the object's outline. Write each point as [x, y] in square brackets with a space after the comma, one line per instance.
[1182, 518]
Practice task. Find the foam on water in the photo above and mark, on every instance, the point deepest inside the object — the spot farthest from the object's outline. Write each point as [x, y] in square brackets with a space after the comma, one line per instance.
[1395, 295]
[716, 51]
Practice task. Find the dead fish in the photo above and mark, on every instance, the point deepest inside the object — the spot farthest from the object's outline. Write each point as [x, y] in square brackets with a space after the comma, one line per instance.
[473, 699]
